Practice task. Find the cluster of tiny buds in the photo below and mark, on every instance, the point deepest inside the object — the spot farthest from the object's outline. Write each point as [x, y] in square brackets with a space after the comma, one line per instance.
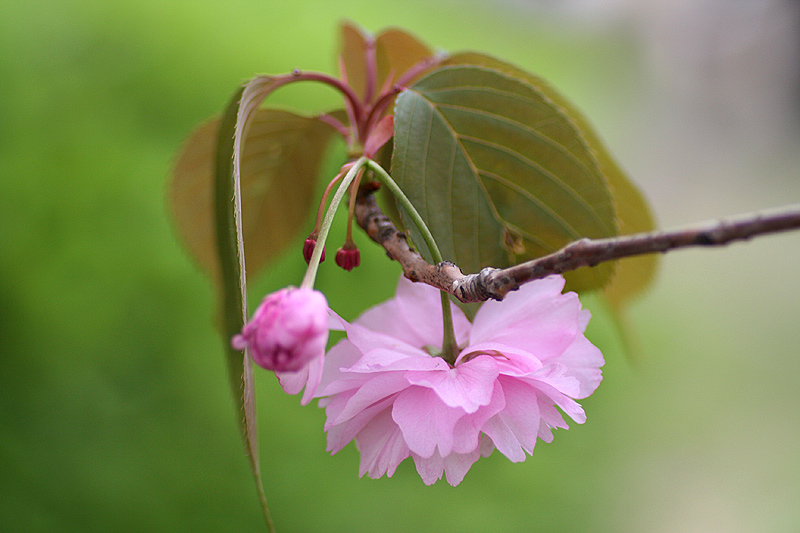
[348, 257]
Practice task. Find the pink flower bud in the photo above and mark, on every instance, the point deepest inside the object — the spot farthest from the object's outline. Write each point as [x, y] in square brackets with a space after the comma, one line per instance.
[288, 330]
[348, 258]
[308, 249]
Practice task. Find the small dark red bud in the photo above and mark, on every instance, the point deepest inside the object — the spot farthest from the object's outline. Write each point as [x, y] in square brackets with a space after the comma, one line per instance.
[308, 249]
[348, 258]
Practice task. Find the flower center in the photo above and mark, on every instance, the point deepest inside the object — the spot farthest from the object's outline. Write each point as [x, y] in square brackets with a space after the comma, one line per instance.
[472, 355]
[432, 350]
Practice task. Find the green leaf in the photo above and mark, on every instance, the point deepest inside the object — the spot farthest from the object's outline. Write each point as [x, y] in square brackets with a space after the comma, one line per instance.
[246, 176]
[267, 147]
[499, 173]
[633, 213]
[227, 208]
[282, 156]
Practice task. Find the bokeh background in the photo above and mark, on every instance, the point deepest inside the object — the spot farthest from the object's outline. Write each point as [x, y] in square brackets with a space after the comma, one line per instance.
[114, 408]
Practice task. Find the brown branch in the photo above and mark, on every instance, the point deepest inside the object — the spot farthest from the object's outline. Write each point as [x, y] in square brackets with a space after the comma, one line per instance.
[380, 229]
[493, 283]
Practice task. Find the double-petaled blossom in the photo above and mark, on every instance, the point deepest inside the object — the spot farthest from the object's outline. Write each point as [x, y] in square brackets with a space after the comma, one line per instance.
[519, 359]
[288, 334]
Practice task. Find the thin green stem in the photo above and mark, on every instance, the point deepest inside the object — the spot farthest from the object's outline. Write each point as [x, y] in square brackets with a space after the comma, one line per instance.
[398, 193]
[449, 343]
[350, 208]
[313, 264]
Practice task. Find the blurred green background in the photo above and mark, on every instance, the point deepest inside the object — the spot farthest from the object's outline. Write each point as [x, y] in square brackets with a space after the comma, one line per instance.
[114, 408]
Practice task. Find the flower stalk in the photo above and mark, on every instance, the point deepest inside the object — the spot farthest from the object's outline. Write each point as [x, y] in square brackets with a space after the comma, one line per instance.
[449, 343]
[327, 222]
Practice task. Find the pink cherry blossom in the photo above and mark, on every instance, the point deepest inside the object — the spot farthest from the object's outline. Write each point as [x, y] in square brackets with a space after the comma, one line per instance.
[521, 358]
[288, 334]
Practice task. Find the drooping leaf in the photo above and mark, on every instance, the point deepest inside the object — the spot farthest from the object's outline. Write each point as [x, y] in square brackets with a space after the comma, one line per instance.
[499, 173]
[280, 164]
[233, 285]
[633, 213]
[267, 147]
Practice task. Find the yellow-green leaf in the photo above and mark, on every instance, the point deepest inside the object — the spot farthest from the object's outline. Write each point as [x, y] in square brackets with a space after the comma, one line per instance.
[279, 167]
[633, 213]
[499, 173]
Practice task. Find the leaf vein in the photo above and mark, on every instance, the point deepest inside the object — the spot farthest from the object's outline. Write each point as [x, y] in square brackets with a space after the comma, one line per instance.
[543, 171]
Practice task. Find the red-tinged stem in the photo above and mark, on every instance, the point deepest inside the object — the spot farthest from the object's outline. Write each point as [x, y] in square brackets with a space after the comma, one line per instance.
[375, 112]
[323, 202]
[341, 128]
[357, 105]
[316, 256]
[390, 91]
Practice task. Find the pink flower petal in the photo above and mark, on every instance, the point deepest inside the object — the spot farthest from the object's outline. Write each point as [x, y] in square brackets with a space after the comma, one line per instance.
[341, 434]
[335, 322]
[414, 316]
[467, 431]
[309, 377]
[454, 465]
[583, 360]
[335, 378]
[516, 305]
[550, 418]
[536, 318]
[468, 385]
[372, 391]
[367, 340]
[486, 446]
[514, 430]
[425, 421]
[430, 469]
[510, 360]
[559, 388]
[381, 445]
[387, 360]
